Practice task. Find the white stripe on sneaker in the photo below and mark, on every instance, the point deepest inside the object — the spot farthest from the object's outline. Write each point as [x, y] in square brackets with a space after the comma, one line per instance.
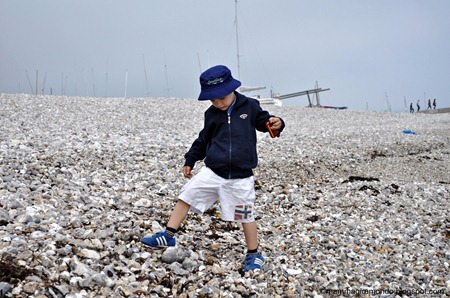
[259, 262]
[162, 242]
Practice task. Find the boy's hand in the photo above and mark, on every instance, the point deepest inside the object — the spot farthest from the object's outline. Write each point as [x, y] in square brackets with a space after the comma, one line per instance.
[275, 123]
[187, 172]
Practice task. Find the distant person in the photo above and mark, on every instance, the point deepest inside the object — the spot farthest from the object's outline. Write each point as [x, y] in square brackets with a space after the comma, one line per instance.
[411, 109]
[434, 103]
[429, 104]
[418, 106]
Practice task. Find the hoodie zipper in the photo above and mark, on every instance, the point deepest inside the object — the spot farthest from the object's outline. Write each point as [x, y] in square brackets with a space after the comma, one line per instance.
[229, 135]
[229, 140]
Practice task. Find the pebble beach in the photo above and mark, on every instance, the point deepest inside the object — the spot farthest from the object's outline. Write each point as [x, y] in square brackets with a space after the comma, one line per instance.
[348, 203]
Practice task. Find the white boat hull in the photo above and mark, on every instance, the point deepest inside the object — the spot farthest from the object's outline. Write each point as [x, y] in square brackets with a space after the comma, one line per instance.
[269, 101]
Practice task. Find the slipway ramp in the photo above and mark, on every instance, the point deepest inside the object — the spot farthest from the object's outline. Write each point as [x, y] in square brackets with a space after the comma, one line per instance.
[436, 111]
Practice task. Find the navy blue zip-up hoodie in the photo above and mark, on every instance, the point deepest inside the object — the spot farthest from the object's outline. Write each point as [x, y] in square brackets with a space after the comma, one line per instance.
[228, 144]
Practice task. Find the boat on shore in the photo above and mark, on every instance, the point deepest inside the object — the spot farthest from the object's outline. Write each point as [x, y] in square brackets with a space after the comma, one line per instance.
[276, 98]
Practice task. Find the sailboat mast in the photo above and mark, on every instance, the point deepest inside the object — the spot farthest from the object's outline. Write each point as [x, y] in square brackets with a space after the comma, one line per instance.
[237, 39]
[29, 82]
[145, 75]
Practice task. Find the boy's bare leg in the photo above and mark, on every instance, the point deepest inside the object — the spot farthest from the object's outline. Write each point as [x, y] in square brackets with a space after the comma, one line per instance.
[179, 214]
[251, 235]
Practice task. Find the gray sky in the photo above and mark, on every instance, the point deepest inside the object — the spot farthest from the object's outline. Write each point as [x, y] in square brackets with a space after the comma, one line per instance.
[362, 49]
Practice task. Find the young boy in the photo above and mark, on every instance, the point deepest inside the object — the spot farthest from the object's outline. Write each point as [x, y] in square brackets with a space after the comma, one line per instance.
[227, 143]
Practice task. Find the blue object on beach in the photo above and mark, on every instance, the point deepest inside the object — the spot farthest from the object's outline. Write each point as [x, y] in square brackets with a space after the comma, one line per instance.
[409, 132]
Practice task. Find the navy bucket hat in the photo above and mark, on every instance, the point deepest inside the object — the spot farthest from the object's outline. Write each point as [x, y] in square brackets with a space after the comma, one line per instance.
[217, 82]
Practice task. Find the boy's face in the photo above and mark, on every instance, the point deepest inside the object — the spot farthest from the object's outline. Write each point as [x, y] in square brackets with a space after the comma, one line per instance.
[223, 103]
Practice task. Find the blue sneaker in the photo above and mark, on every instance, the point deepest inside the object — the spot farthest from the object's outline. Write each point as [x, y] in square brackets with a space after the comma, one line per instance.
[253, 263]
[159, 240]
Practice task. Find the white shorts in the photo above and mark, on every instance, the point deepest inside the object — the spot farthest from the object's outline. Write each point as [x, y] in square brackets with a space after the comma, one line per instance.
[237, 196]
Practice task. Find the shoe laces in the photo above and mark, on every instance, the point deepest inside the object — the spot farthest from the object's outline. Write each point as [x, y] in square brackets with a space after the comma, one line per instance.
[249, 259]
[159, 234]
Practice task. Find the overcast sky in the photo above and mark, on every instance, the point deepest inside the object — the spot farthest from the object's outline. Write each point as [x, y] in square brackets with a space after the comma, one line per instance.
[368, 52]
